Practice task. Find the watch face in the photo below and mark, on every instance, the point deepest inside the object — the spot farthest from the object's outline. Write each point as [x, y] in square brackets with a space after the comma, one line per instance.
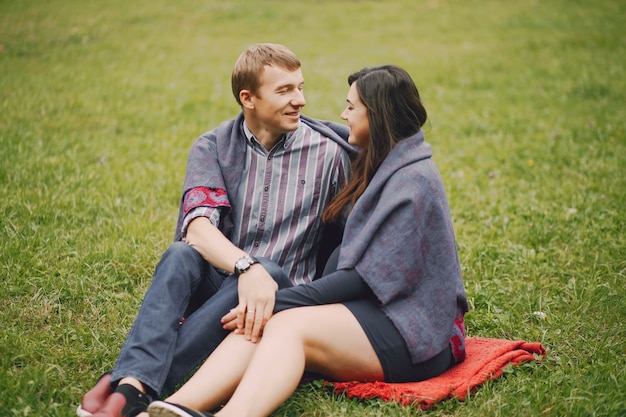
[242, 264]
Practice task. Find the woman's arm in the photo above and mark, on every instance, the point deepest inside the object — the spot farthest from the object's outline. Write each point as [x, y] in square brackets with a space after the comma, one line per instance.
[338, 286]
[341, 285]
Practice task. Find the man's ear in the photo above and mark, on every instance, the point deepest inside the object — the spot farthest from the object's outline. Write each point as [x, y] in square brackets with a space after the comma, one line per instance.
[246, 98]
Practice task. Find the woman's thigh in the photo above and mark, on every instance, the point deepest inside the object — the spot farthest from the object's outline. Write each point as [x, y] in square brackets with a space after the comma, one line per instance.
[333, 341]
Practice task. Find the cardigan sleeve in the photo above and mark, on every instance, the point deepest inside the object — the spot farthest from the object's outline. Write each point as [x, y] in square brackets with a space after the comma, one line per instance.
[339, 286]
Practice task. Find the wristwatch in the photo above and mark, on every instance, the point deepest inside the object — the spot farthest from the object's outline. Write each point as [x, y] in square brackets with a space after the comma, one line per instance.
[244, 263]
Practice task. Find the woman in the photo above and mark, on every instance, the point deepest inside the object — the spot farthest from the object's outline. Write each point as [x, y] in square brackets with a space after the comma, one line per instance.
[392, 309]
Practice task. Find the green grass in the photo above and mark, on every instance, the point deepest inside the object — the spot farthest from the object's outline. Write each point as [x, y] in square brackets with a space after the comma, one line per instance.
[100, 102]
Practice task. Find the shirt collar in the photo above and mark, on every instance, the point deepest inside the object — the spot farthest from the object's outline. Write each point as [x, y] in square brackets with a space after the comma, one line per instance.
[285, 141]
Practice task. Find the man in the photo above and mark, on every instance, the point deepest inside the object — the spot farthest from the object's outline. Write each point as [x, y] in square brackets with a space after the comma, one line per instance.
[254, 193]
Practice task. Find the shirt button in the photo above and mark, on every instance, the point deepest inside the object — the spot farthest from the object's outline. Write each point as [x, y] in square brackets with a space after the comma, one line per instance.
[266, 188]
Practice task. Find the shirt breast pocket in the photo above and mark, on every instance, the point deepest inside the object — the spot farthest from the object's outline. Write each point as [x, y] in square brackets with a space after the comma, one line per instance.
[304, 194]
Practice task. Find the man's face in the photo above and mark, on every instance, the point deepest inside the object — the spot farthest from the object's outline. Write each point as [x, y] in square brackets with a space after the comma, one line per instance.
[277, 103]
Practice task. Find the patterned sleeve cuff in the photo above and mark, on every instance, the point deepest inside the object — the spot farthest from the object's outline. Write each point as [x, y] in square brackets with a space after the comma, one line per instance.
[205, 197]
[203, 202]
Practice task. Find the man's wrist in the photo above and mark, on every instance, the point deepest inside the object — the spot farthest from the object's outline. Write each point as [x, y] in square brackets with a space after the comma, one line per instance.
[244, 263]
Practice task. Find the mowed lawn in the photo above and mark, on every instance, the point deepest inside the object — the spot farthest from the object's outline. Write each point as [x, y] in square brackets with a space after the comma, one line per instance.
[100, 102]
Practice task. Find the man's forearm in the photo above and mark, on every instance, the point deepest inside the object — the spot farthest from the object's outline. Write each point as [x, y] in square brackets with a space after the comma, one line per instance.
[214, 247]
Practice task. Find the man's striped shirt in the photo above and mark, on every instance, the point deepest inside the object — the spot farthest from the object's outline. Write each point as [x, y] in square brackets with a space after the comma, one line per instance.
[278, 209]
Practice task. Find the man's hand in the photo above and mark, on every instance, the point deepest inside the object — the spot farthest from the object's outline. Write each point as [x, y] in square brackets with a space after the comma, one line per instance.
[257, 288]
[257, 295]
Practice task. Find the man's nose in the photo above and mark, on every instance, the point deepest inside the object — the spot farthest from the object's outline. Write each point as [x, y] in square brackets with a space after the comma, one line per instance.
[298, 99]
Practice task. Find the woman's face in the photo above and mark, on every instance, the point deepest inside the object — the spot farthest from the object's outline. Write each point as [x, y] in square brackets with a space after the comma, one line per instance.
[355, 115]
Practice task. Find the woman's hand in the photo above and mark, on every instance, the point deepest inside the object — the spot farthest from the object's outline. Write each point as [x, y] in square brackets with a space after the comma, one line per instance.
[229, 321]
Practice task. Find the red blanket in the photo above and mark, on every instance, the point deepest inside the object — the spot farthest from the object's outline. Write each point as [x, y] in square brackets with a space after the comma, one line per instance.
[485, 361]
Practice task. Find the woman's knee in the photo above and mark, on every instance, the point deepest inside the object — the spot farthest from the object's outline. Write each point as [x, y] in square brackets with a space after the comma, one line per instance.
[287, 322]
[279, 320]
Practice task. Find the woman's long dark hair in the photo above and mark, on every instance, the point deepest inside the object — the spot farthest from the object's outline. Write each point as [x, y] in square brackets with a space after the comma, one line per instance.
[394, 111]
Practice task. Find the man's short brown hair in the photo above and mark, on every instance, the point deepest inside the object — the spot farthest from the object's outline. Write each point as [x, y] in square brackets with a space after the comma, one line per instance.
[249, 66]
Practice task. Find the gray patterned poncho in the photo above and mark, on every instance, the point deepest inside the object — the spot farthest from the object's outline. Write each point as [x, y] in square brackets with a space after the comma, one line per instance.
[400, 240]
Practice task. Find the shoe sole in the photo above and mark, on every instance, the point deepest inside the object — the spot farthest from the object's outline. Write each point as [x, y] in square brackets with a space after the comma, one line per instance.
[83, 413]
[163, 409]
[80, 412]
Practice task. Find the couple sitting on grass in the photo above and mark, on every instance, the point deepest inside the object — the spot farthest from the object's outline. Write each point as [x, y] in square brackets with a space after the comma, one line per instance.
[242, 284]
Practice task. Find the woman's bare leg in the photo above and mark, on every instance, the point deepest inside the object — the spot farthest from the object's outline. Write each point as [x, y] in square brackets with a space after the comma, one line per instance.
[325, 339]
[217, 378]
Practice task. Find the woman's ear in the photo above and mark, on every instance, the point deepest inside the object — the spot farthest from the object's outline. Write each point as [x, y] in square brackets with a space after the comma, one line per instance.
[247, 99]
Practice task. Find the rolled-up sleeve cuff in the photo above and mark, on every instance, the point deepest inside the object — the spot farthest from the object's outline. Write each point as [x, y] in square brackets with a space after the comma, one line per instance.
[212, 213]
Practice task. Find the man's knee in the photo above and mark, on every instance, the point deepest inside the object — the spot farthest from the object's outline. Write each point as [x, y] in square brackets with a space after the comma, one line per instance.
[180, 251]
[179, 261]
[181, 256]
